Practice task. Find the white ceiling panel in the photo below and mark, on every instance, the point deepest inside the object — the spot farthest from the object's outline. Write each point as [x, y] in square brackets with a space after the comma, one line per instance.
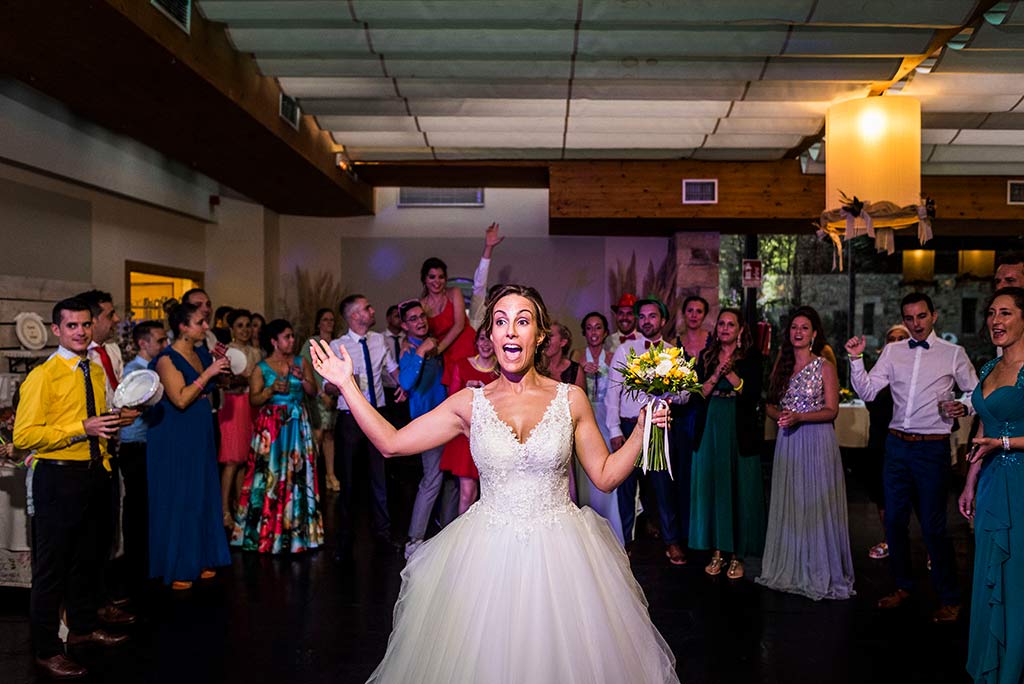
[388, 153]
[813, 40]
[937, 136]
[380, 139]
[658, 90]
[296, 41]
[385, 106]
[340, 124]
[990, 137]
[457, 11]
[627, 153]
[965, 84]
[977, 153]
[989, 37]
[453, 41]
[801, 91]
[322, 87]
[780, 125]
[447, 153]
[630, 67]
[536, 139]
[734, 140]
[432, 106]
[633, 139]
[522, 124]
[641, 108]
[932, 13]
[740, 154]
[968, 103]
[697, 11]
[980, 62]
[304, 66]
[488, 89]
[642, 124]
[811, 69]
[764, 110]
[704, 41]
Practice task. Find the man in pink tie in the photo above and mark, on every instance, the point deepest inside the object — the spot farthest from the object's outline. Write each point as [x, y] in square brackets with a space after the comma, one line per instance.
[625, 322]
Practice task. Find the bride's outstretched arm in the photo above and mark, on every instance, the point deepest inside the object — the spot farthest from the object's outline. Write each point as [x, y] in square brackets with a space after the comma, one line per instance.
[426, 432]
[606, 471]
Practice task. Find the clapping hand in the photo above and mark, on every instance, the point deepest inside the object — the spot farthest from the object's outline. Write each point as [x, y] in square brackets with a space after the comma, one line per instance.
[855, 345]
[333, 368]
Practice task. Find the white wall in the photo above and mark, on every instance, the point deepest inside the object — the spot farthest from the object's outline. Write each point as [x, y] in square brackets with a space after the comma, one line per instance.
[234, 256]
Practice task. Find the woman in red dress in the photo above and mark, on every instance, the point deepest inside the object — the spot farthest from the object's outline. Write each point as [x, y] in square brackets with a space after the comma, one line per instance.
[475, 371]
[446, 315]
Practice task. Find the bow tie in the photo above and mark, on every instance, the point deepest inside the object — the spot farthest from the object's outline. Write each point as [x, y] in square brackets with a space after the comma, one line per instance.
[648, 343]
[626, 338]
[914, 344]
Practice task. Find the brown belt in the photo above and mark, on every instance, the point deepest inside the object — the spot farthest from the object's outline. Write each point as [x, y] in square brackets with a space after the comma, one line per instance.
[912, 437]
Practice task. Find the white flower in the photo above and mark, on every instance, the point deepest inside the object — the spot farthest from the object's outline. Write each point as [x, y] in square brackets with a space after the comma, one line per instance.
[664, 367]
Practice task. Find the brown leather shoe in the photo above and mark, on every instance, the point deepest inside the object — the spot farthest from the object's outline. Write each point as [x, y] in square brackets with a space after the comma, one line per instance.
[60, 667]
[894, 600]
[946, 614]
[112, 615]
[98, 637]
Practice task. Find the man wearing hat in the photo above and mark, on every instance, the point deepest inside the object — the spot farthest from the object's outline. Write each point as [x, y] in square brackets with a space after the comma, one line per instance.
[625, 322]
[622, 409]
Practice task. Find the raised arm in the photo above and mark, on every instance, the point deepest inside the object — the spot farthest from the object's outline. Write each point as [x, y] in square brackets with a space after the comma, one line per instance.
[966, 378]
[459, 313]
[607, 471]
[430, 430]
[868, 385]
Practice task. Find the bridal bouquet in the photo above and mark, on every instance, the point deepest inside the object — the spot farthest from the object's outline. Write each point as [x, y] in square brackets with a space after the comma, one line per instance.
[657, 373]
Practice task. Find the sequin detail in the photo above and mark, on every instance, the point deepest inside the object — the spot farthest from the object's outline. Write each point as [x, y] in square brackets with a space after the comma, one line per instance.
[806, 390]
[523, 484]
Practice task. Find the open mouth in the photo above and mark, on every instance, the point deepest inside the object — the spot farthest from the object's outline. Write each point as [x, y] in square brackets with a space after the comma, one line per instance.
[512, 351]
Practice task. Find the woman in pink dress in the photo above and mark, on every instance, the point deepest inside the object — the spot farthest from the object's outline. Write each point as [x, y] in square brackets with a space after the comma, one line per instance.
[446, 314]
[235, 415]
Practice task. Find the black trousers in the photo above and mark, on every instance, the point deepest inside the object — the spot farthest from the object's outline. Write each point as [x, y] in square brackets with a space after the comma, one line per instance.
[135, 514]
[71, 506]
[349, 444]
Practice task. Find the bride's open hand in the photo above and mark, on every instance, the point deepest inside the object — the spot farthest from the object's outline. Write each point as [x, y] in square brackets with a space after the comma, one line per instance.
[332, 368]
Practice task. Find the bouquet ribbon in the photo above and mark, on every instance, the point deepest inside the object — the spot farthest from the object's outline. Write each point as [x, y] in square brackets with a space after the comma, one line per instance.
[648, 455]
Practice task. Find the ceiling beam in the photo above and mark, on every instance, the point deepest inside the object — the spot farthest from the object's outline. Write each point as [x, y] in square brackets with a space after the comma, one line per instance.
[123, 65]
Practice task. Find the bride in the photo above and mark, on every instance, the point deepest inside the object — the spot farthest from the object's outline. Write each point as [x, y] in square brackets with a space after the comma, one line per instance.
[525, 586]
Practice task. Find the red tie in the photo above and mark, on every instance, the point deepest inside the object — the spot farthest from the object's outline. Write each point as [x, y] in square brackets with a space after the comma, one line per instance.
[108, 367]
[626, 338]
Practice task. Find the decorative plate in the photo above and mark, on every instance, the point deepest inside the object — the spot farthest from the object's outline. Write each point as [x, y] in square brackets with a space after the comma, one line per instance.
[31, 330]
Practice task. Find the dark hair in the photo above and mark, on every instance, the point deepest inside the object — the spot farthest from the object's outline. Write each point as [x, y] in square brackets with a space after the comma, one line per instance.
[222, 311]
[391, 309]
[651, 301]
[144, 329]
[709, 356]
[543, 320]
[320, 313]
[69, 304]
[566, 335]
[583, 321]
[405, 307]
[1010, 258]
[432, 262]
[188, 294]
[235, 314]
[180, 315]
[914, 298]
[270, 331]
[695, 298]
[1016, 293]
[786, 362]
[347, 303]
[254, 316]
[94, 298]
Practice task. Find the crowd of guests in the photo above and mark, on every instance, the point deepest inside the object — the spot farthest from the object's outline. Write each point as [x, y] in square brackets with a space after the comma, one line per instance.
[229, 455]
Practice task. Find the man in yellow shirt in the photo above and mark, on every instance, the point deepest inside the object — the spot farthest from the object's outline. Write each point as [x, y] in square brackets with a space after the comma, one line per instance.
[60, 418]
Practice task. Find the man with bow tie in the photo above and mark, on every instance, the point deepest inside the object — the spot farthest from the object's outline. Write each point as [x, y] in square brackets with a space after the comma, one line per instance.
[919, 371]
[625, 322]
[621, 410]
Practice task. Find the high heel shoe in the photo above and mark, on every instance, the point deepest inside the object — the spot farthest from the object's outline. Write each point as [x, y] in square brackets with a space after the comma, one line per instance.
[715, 566]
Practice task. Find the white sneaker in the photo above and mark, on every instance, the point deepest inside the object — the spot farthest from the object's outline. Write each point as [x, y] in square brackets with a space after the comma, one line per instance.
[411, 546]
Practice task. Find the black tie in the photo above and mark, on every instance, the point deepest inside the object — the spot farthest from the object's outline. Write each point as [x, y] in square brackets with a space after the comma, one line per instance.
[90, 408]
[923, 344]
[397, 347]
[369, 371]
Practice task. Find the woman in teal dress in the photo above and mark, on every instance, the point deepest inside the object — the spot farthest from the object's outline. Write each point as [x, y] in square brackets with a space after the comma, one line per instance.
[996, 647]
[726, 490]
[278, 511]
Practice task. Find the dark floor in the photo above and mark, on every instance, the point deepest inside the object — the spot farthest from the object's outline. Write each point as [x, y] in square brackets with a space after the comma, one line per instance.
[314, 619]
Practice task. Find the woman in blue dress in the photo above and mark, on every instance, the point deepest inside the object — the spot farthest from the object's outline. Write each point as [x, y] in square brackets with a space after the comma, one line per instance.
[278, 511]
[186, 535]
[996, 647]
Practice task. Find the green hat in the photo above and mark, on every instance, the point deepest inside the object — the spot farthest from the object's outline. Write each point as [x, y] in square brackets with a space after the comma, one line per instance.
[651, 299]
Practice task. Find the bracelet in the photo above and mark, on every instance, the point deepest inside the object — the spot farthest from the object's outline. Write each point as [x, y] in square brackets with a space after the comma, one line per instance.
[198, 384]
[1006, 443]
[854, 357]
[739, 387]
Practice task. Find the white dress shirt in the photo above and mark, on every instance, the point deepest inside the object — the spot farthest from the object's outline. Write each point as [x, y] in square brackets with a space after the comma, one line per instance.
[389, 340]
[615, 340]
[915, 377]
[617, 401]
[382, 361]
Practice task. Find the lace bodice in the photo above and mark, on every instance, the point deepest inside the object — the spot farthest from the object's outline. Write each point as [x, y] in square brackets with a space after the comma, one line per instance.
[523, 484]
[806, 390]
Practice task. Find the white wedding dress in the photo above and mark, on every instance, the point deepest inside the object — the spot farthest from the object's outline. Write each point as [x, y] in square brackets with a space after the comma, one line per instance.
[524, 588]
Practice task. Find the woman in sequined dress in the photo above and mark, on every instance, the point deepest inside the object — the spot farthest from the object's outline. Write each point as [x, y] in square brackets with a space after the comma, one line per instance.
[996, 645]
[807, 546]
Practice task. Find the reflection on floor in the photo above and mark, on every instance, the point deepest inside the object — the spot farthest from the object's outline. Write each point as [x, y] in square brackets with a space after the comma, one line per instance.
[317, 619]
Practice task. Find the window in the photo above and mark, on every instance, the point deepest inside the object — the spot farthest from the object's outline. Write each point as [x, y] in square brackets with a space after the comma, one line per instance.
[969, 315]
[440, 197]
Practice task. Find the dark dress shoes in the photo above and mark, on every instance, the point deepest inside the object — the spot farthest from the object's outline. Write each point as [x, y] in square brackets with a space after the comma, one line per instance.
[98, 637]
[112, 615]
[60, 667]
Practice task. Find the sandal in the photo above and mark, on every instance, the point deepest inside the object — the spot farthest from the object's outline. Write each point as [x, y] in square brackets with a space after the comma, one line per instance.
[735, 570]
[675, 555]
[715, 566]
[879, 551]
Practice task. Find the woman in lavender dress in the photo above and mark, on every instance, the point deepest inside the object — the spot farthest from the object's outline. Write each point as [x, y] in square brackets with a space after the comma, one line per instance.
[807, 547]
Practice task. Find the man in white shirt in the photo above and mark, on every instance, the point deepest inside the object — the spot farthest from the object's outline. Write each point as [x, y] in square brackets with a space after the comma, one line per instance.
[621, 411]
[920, 372]
[625, 322]
[372, 359]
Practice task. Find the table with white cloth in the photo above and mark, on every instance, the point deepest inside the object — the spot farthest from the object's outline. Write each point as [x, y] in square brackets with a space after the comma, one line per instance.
[15, 555]
[853, 423]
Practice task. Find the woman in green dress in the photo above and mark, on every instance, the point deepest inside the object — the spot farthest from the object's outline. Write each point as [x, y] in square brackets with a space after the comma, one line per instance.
[727, 491]
[996, 647]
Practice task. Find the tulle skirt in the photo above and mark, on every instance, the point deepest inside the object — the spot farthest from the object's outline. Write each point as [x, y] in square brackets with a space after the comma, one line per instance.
[493, 601]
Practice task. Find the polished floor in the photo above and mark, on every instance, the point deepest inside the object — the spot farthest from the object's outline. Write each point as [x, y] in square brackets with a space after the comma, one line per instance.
[318, 618]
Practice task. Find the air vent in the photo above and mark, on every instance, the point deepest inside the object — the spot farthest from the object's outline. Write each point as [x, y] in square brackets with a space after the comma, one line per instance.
[441, 197]
[1015, 192]
[178, 11]
[700, 191]
[289, 110]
